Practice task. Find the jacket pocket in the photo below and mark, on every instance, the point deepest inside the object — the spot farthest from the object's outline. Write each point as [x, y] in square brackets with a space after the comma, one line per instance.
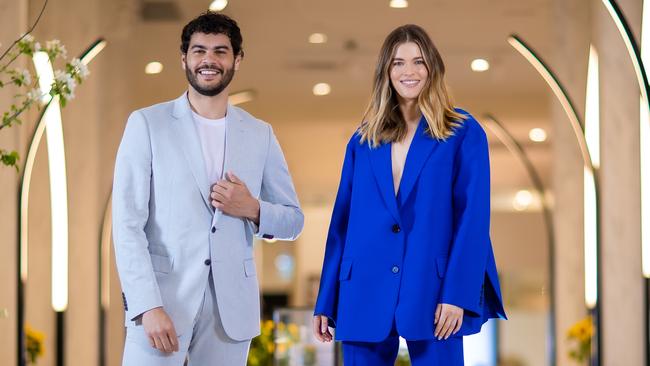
[441, 263]
[249, 268]
[346, 270]
[161, 263]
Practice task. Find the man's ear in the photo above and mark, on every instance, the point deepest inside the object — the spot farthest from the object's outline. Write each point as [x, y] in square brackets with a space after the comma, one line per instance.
[183, 58]
[238, 61]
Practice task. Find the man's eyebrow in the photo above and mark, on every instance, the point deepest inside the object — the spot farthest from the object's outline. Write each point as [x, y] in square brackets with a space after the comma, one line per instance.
[219, 47]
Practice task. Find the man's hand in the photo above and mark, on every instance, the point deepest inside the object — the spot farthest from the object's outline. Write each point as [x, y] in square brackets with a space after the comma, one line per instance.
[160, 330]
[448, 320]
[233, 198]
[321, 331]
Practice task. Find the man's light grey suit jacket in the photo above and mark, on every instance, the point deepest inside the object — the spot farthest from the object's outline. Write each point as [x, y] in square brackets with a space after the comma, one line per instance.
[164, 228]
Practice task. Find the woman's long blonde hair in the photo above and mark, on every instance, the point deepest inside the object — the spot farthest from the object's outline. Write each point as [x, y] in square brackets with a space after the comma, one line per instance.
[383, 120]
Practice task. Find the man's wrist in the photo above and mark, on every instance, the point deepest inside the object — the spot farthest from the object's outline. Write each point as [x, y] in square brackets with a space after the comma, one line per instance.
[254, 215]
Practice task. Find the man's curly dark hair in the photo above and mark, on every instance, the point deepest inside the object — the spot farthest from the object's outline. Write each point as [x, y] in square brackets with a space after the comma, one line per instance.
[212, 22]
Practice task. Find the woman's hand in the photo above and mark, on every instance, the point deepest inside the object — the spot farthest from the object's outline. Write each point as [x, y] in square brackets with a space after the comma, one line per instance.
[321, 331]
[448, 320]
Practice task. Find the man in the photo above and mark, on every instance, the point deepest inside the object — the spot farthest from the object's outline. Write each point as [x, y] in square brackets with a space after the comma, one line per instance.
[188, 176]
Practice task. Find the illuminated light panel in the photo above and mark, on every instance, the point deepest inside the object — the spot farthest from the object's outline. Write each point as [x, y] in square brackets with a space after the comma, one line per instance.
[644, 121]
[218, 5]
[58, 184]
[480, 65]
[317, 38]
[592, 136]
[590, 192]
[522, 200]
[50, 122]
[398, 4]
[154, 67]
[321, 89]
[241, 97]
[537, 135]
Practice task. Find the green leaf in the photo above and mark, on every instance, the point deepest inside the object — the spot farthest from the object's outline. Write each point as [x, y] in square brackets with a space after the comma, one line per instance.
[10, 159]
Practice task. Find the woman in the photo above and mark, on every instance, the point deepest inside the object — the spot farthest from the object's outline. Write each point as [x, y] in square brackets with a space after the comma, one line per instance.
[408, 250]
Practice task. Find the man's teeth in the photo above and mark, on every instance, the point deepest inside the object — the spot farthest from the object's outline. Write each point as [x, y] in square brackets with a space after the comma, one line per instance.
[208, 72]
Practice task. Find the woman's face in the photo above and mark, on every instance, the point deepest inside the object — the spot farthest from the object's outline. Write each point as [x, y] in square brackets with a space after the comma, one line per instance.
[408, 72]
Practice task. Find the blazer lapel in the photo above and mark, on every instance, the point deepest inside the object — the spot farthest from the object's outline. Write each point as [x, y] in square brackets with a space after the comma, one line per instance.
[191, 145]
[380, 160]
[235, 141]
[419, 151]
[235, 148]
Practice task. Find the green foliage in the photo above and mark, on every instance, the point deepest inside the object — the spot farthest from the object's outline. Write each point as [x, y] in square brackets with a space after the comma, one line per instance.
[9, 158]
[29, 93]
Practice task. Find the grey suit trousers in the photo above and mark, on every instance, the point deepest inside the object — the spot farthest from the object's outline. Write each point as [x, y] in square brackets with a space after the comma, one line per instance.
[207, 345]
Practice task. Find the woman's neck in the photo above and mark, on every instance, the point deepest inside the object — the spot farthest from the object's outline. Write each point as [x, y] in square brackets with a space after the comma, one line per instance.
[411, 113]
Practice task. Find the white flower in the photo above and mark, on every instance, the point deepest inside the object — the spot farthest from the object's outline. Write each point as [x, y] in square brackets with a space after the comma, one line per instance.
[69, 83]
[37, 47]
[27, 43]
[34, 94]
[64, 52]
[66, 83]
[80, 68]
[68, 95]
[56, 48]
[53, 44]
[27, 77]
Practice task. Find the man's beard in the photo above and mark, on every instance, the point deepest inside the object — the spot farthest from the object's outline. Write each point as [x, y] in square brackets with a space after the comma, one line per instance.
[226, 78]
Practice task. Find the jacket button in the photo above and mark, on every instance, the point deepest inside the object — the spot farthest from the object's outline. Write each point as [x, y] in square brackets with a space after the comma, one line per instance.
[214, 229]
[396, 229]
[395, 269]
[207, 262]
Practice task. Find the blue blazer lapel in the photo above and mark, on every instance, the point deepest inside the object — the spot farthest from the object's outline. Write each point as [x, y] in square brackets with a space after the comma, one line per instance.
[419, 152]
[191, 145]
[380, 160]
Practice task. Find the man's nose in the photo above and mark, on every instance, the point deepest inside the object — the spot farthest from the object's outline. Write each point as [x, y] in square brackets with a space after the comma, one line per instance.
[209, 59]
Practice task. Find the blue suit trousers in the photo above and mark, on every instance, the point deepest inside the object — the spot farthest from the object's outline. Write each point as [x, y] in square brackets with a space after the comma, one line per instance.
[433, 352]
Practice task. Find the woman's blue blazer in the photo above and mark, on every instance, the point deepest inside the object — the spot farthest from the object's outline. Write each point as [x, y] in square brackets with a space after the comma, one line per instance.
[394, 258]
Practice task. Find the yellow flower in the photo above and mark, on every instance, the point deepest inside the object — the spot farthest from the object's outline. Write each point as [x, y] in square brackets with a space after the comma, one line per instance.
[293, 330]
[281, 327]
[580, 334]
[268, 325]
[582, 330]
[34, 343]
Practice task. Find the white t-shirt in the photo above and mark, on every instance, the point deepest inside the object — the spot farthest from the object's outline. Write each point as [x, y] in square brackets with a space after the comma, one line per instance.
[212, 134]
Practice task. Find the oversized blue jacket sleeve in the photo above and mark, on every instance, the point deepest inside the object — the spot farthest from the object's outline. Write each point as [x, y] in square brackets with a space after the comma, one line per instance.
[466, 269]
[328, 291]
